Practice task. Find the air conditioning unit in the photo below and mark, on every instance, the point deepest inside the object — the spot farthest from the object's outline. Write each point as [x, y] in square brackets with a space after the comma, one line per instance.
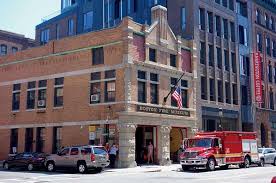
[95, 98]
[41, 103]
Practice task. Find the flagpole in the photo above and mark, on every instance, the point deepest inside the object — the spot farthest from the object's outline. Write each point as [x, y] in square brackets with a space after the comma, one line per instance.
[166, 98]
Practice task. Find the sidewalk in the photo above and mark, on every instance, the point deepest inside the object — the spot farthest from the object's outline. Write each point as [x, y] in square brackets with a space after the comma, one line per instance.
[144, 169]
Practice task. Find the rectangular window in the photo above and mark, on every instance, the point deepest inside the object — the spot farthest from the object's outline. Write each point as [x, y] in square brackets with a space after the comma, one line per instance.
[274, 49]
[210, 22]
[173, 84]
[268, 50]
[259, 42]
[231, 5]
[220, 91]
[242, 65]
[14, 49]
[212, 90]
[218, 26]
[271, 100]
[97, 56]
[183, 18]
[241, 8]
[57, 137]
[172, 60]
[88, 20]
[201, 19]
[202, 53]
[142, 95]
[44, 36]
[224, 3]
[219, 58]
[232, 29]
[244, 95]
[41, 101]
[235, 94]
[227, 93]
[70, 27]
[154, 93]
[217, 1]
[16, 97]
[31, 95]
[117, 9]
[270, 73]
[203, 88]
[95, 88]
[225, 29]
[152, 54]
[211, 55]
[13, 141]
[58, 96]
[135, 6]
[110, 86]
[226, 60]
[233, 62]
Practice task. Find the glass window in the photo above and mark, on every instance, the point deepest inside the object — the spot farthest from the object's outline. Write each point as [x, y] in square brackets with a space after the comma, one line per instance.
[4, 49]
[99, 150]
[70, 27]
[211, 55]
[44, 36]
[95, 76]
[183, 18]
[219, 58]
[110, 74]
[225, 28]
[88, 20]
[58, 97]
[172, 60]
[14, 49]
[42, 83]
[152, 54]
[64, 152]
[202, 53]
[31, 99]
[13, 141]
[210, 22]
[110, 91]
[95, 93]
[142, 91]
[154, 93]
[201, 19]
[57, 132]
[203, 88]
[218, 26]
[16, 97]
[212, 90]
[226, 60]
[98, 56]
[142, 75]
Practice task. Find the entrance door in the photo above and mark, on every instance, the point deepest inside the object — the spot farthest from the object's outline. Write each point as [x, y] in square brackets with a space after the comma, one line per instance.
[29, 140]
[139, 145]
[263, 135]
[176, 138]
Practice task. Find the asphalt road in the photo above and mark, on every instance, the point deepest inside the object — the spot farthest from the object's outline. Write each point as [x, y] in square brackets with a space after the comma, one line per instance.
[172, 174]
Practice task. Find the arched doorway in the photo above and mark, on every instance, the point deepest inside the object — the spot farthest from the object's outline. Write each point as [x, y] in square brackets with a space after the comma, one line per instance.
[263, 135]
[176, 137]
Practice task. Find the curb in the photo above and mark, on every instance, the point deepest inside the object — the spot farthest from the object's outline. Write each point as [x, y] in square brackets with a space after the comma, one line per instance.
[151, 171]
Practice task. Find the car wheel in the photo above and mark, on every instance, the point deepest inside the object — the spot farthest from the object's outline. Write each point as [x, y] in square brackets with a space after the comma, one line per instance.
[274, 163]
[211, 164]
[6, 166]
[82, 167]
[261, 164]
[246, 162]
[30, 167]
[50, 167]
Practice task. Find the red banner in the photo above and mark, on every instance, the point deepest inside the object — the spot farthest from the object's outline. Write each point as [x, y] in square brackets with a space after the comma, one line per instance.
[257, 77]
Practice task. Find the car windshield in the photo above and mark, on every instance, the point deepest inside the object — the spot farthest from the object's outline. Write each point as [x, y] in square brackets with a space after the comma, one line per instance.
[200, 142]
[99, 150]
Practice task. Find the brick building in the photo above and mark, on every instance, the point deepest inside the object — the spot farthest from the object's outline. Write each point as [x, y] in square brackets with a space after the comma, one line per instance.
[104, 86]
[11, 42]
[264, 42]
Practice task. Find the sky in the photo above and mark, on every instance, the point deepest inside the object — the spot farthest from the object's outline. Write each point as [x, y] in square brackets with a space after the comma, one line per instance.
[21, 16]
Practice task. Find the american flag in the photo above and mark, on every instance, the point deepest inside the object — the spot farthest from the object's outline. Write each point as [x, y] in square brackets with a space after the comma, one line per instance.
[177, 96]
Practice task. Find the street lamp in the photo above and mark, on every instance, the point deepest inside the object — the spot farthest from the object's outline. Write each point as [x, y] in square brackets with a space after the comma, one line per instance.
[220, 116]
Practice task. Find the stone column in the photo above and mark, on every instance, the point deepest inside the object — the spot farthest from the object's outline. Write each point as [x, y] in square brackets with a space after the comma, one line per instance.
[126, 145]
[164, 145]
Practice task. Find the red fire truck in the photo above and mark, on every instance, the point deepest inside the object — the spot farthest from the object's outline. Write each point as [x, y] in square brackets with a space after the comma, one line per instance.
[220, 149]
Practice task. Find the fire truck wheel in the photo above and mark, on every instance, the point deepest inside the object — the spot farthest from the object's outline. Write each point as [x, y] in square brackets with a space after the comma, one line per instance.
[274, 163]
[246, 162]
[211, 164]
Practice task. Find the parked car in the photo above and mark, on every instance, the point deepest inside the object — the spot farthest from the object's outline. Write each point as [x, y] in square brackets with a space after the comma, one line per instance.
[267, 155]
[82, 158]
[27, 160]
